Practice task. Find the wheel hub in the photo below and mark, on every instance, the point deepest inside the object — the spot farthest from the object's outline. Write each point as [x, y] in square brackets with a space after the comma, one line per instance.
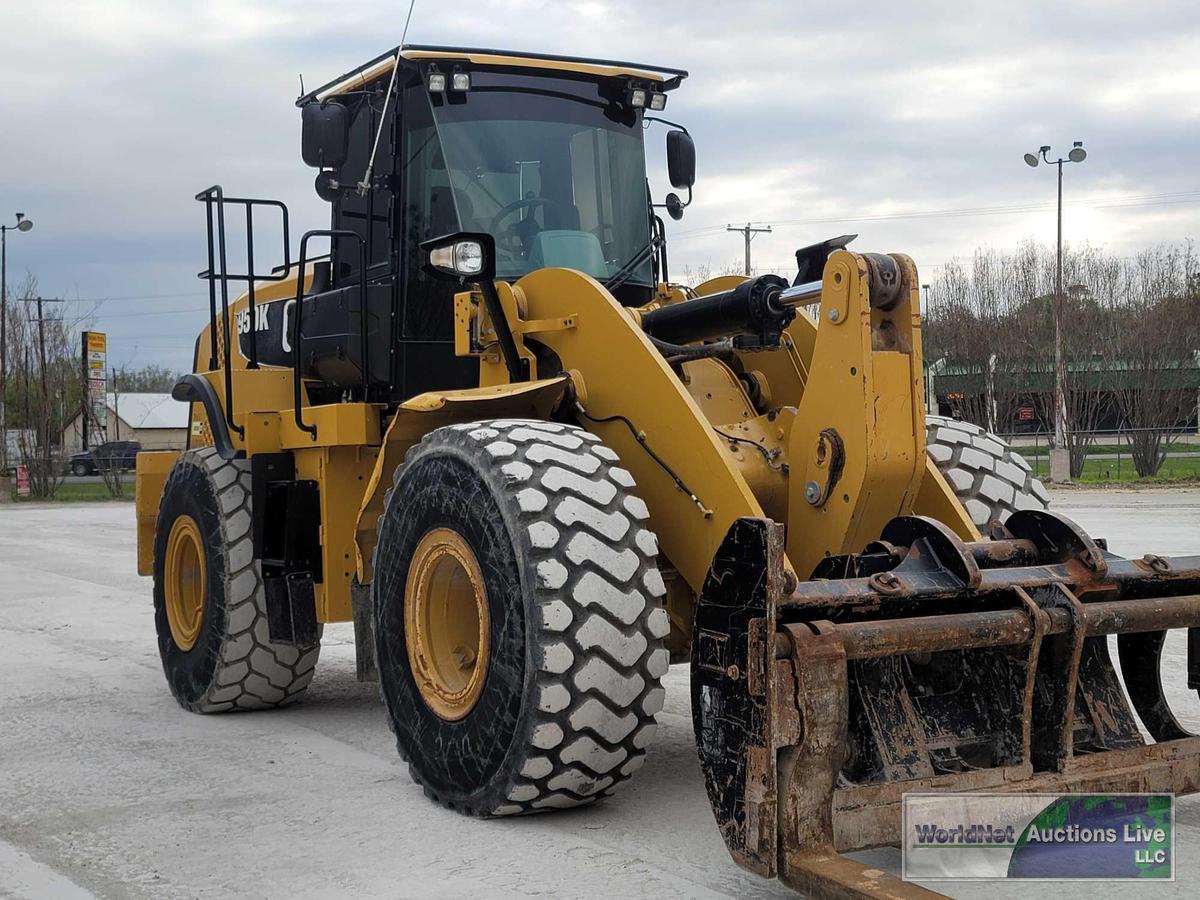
[446, 623]
[186, 580]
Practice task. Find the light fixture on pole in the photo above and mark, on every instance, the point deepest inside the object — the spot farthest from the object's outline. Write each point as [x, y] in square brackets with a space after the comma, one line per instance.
[23, 224]
[1059, 456]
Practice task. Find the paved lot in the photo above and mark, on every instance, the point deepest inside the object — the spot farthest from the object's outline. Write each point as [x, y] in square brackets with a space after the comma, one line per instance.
[108, 789]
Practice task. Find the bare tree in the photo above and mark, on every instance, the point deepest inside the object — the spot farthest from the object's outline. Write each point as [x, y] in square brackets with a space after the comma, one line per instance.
[43, 378]
[1156, 324]
[149, 379]
[970, 322]
[1089, 275]
[108, 462]
[694, 275]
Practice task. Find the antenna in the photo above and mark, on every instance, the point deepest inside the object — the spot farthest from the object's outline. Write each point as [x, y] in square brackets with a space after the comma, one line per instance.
[365, 184]
[407, 19]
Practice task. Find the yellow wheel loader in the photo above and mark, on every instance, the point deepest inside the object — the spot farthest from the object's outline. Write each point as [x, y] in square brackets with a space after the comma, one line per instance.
[485, 425]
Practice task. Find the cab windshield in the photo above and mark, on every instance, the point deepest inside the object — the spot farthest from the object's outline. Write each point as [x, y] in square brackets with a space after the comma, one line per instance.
[552, 169]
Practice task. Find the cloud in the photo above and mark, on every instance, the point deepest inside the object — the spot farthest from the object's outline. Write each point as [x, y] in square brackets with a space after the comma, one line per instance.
[116, 114]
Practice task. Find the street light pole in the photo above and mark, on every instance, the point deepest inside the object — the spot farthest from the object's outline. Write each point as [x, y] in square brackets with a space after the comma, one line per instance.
[23, 224]
[1060, 459]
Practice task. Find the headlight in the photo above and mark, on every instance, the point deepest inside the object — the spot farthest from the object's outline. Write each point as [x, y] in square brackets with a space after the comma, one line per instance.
[436, 82]
[463, 255]
[637, 97]
[463, 258]
[658, 101]
[460, 81]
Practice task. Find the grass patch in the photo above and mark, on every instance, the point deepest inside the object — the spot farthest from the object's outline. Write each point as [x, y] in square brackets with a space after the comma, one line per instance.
[1108, 449]
[1175, 469]
[88, 492]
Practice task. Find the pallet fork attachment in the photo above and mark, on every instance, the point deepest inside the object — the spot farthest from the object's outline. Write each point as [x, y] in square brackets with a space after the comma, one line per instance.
[927, 664]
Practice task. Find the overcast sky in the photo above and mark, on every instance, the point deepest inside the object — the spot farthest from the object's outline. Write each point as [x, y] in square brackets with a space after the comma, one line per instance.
[905, 122]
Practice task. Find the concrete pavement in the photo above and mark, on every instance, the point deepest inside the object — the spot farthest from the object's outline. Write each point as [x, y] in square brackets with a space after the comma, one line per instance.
[108, 789]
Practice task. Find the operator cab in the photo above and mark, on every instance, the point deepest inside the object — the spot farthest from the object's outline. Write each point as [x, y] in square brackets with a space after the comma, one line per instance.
[544, 154]
[549, 167]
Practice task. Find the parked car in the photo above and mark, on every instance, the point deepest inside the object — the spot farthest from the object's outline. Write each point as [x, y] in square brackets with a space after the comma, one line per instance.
[109, 456]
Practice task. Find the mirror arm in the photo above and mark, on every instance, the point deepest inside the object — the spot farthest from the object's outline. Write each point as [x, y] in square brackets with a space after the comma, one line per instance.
[667, 205]
[518, 368]
[646, 118]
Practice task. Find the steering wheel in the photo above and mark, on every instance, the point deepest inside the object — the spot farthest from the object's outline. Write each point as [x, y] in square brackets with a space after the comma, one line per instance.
[518, 237]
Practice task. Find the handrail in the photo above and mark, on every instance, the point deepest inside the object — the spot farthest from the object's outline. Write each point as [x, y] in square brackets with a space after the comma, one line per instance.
[215, 195]
[333, 234]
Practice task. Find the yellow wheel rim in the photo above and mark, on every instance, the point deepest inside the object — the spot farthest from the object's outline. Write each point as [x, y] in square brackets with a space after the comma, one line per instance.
[446, 623]
[186, 582]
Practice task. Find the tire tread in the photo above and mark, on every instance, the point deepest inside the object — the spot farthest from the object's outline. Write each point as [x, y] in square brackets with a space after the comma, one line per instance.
[584, 546]
[252, 672]
[990, 478]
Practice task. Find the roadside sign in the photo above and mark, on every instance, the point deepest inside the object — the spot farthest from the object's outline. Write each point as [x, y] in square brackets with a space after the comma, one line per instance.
[22, 481]
[95, 375]
[1025, 414]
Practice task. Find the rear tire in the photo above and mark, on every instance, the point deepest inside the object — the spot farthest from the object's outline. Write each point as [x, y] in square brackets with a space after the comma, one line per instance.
[989, 478]
[573, 617]
[218, 654]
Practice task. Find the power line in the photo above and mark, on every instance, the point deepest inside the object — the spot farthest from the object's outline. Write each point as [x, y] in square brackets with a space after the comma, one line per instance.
[1138, 200]
[1101, 202]
[157, 312]
[199, 298]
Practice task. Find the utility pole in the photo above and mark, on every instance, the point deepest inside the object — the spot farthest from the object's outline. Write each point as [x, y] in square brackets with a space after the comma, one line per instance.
[748, 232]
[112, 374]
[42, 367]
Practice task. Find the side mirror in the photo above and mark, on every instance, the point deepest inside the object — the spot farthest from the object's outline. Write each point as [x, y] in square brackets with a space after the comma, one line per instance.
[681, 159]
[675, 206]
[324, 134]
[462, 256]
[328, 188]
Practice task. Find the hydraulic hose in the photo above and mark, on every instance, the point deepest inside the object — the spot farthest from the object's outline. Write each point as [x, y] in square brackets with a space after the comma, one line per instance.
[677, 353]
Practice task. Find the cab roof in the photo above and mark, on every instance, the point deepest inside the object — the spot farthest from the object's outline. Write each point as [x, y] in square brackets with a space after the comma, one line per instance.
[666, 78]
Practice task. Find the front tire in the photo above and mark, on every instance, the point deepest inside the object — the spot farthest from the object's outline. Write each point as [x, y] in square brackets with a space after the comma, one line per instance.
[210, 606]
[571, 615]
[80, 469]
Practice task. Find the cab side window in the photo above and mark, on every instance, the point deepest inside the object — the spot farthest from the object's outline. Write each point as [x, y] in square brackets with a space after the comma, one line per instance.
[369, 215]
[431, 208]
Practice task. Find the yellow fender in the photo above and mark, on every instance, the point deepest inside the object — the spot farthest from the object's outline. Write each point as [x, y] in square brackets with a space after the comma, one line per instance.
[422, 414]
